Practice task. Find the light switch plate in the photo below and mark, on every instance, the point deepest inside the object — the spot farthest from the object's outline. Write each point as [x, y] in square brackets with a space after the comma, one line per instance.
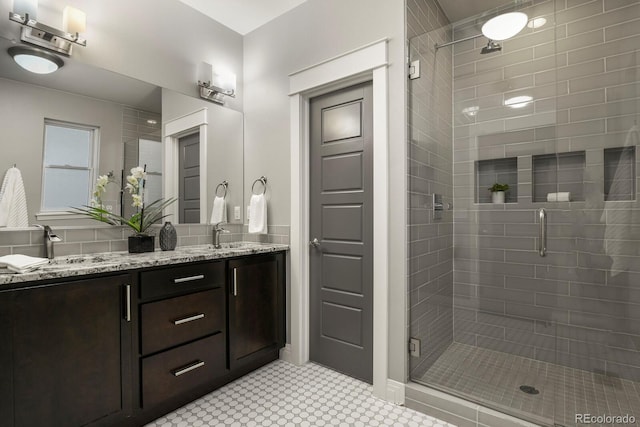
[236, 212]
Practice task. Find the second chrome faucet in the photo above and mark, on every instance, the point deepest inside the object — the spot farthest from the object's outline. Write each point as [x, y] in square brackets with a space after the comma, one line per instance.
[217, 230]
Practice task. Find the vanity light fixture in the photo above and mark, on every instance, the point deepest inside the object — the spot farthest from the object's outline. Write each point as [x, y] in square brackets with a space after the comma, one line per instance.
[214, 86]
[44, 36]
[504, 26]
[35, 60]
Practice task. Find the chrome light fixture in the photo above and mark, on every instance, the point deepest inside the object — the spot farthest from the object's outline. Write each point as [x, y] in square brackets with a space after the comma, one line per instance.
[35, 60]
[505, 26]
[44, 36]
[214, 86]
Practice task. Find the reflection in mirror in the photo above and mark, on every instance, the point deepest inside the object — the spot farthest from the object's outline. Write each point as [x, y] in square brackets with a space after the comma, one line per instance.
[122, 116]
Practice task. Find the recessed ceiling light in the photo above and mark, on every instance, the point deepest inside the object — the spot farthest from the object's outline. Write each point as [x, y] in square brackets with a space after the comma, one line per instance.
[536, 22]
[471, 111]
[35, 60]
[518, 101]
[505, 26]
[152, 122]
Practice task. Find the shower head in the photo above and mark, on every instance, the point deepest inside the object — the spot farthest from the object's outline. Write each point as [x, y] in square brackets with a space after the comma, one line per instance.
[491, 47]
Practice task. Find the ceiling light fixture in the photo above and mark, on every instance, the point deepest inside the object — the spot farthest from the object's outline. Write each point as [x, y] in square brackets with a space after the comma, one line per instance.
[505, 26]
[518, 101]
[35, 60]
[536, 22]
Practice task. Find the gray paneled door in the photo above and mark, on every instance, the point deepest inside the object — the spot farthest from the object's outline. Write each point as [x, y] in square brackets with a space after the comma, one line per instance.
[189, 177]
[341, 219]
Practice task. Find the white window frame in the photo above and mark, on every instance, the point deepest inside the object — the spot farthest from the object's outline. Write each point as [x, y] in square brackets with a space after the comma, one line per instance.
[93, 166]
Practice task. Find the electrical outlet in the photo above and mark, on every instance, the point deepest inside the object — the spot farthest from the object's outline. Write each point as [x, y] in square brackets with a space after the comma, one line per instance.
[109, 208]
[236, 212]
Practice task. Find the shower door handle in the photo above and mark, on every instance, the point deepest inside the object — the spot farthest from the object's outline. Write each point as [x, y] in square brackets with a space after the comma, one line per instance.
[542, 236]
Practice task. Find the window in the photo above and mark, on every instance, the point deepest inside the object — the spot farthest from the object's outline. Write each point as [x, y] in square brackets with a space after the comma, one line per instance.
[69, 161]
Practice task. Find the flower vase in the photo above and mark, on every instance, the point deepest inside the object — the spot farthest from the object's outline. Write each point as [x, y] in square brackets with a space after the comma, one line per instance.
[497, 197]
[140, 243]
[168, 237]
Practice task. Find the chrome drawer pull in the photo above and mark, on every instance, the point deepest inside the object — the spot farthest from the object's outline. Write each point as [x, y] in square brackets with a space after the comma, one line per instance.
[188, 319]
[188, 279]
[195, 365]
[127, 291]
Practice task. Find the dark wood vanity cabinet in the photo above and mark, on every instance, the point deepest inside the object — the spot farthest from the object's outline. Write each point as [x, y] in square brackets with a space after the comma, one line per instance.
[182, 332]
[256, 308]
[124, 349]
[66, 353]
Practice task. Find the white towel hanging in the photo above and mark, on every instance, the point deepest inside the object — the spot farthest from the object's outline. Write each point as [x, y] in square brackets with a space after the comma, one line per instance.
[219, 211]
[13, 200]
[258, 214]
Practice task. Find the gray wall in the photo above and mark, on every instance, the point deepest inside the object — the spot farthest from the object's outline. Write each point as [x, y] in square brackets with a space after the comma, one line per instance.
[23, 109]
[159, 42]
[579, 306]
[430, 170]
[313, 32]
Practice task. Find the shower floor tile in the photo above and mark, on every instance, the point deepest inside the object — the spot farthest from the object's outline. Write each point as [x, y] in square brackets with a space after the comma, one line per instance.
[285, 394]
[494, 379]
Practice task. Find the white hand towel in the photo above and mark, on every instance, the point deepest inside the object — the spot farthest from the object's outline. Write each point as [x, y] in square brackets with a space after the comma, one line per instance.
[22, 263]
[13, 204]
[559, 197]
[219, 211]
[258, 214]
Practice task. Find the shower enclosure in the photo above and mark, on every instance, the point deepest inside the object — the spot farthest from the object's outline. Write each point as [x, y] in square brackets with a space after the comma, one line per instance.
[532, 306]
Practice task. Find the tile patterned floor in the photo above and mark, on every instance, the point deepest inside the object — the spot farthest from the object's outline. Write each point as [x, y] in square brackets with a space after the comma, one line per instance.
[494, 378]
[288, 395]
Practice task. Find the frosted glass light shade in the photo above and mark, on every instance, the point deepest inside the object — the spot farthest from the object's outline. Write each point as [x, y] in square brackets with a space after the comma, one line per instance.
[35, 60]
[74, 20]
[22, 7]
[505, 26]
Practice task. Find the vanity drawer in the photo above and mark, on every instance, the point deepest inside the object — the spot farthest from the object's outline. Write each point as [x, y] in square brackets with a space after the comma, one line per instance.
[182, 369]
[176, 280]
[174, 321]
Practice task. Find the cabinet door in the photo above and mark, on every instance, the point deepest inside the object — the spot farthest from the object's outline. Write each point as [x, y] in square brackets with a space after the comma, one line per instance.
[70, 347]
[255, 307]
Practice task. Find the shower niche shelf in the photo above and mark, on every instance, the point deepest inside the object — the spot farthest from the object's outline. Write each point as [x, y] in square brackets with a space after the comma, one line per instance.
[503, 171]
[559, 172]
[620, 173]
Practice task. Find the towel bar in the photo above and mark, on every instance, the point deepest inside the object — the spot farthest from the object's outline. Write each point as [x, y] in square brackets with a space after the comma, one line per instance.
[262, 180]
[224, 184]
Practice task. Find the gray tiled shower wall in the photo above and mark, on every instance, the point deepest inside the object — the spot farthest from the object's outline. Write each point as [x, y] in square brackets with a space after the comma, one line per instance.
[87, 240]
[430, 166]
[580, 305]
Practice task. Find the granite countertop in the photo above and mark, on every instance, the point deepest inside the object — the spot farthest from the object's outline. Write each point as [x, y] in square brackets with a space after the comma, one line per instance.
[80, 265]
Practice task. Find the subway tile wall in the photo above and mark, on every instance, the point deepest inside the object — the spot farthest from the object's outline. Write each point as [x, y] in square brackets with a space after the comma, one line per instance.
[88, 240]
[430, 264]
[580, 305]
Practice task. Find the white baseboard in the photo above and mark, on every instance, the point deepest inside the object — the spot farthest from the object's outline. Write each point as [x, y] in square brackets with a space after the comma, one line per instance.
[395, 392]
[285, 353]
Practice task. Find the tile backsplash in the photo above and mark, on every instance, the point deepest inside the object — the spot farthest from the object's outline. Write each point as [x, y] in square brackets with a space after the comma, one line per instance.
[87, 240]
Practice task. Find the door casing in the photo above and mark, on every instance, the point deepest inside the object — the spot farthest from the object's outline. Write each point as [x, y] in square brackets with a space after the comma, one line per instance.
[366, 63]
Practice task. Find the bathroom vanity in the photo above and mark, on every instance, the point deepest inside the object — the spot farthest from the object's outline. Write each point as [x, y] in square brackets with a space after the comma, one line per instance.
[118, 339]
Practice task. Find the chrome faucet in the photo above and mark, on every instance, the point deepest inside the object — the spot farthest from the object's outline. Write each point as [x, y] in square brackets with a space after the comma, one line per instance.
[217, 229]
[49, 239]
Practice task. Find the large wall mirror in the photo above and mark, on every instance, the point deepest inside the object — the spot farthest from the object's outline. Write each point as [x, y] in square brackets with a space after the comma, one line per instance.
[63, 130]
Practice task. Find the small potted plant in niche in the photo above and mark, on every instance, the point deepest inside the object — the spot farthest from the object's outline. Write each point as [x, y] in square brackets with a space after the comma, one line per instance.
[141, 221]
[497, 192]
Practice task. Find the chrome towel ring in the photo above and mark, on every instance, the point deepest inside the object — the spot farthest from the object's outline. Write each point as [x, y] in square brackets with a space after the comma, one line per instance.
[224, 185]
[263, 181]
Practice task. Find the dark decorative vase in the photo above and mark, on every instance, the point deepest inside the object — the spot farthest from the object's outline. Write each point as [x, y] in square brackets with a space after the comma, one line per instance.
[168, 237]
[140, 243]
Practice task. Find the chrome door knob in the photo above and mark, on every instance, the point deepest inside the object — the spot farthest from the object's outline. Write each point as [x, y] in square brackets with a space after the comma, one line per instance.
[315, 243]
